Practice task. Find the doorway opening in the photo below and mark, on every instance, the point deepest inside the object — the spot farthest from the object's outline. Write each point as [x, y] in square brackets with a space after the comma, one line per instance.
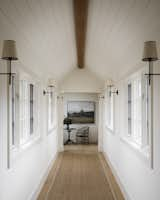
[80, 120]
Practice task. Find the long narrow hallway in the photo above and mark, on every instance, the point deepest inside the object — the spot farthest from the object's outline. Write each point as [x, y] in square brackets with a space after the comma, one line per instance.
[79, 174]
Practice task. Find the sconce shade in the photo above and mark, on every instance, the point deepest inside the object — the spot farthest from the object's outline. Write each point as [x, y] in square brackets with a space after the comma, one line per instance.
[9, 51]
[150, 51]
[108, 82]
[51, 82]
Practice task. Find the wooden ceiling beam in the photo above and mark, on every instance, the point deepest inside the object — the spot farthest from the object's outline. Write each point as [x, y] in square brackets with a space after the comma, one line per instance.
[80, 18]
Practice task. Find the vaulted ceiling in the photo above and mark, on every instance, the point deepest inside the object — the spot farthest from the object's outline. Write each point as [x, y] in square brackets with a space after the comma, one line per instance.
[44, 31]
[46, 42]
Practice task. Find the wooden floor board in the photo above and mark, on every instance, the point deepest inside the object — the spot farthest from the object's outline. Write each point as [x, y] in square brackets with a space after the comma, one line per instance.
[80, 174]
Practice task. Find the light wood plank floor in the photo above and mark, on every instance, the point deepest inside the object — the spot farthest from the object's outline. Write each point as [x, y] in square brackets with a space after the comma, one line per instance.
[80, 173]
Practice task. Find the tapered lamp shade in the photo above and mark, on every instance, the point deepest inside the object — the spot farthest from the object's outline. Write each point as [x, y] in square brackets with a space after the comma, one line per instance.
[9, 51]
[109, 82]
[51, 83]
[150, 51]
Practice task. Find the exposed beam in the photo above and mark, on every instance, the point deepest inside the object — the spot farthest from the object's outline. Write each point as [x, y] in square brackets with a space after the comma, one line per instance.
[80, 16]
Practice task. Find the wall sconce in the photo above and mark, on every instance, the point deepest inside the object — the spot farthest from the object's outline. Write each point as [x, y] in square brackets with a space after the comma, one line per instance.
[115, 91]
[101, 97]
[9, 53]
[60, 97]
[150, 55]
[49, 90]
[51, 85]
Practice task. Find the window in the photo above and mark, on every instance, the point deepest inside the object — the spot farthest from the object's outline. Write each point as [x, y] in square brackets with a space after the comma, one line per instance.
[109, 109]
[138, 109]
[129, 108]
[28, 112]
[31, 108]
[13, 110]
[24, 111]
[135, 110]
[51, 109]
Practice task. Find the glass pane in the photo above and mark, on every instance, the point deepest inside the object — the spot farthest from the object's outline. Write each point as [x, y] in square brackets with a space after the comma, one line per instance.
[31, 108]
[24, 111]
[129, 109]
[50, 110]
[13, 109]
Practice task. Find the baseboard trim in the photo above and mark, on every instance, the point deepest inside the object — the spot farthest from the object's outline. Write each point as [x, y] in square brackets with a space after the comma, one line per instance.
[124, 192]
[39, 187]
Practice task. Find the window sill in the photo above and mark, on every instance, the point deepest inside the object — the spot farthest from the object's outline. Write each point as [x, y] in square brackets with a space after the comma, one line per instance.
[109, 129]
[31, 141]
[18, 151]
[51, 130]
[143, 151]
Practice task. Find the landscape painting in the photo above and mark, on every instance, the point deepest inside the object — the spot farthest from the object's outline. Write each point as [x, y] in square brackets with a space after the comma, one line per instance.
[81, 112]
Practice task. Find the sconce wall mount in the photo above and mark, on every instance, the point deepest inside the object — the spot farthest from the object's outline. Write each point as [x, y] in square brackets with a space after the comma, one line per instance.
[50, 91]
[112, 92]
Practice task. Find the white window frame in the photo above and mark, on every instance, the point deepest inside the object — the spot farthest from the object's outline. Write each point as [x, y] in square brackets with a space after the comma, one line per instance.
[28, 136]
[144, 146]
[19, 147]
[136, 104]
[14, 110]
[109, 105]
[24, 111]
[51, 109]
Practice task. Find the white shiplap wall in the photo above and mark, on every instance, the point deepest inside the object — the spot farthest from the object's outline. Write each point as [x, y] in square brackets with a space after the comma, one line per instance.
[29, 165]
[132, 168]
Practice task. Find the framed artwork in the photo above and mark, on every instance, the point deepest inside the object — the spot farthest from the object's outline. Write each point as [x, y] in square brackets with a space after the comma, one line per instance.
[81, 112]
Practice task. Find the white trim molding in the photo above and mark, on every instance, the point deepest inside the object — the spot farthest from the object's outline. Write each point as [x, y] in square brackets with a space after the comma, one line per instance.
[43, 178]
[124, 192]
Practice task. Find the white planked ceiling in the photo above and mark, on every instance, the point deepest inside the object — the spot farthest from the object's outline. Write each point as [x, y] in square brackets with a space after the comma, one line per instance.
[44, 31]
[116, 32]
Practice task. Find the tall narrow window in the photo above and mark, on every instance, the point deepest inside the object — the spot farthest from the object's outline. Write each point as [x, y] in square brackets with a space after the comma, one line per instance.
[51, 109]
[129, 108]
[13, 107]
[24, 111]
[135, 109]
[110, 109]
[138, 108]
[145, 111]
[31, 108]
[27, 110]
